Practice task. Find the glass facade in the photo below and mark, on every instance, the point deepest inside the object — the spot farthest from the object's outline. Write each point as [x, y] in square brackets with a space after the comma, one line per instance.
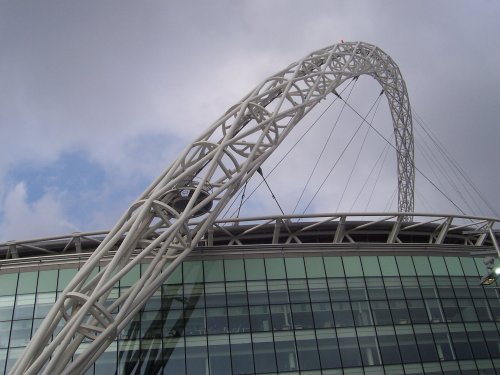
[326, 315]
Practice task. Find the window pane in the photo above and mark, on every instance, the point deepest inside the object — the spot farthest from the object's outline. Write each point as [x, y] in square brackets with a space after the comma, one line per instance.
[314, 267]
[349, 349]
[370, 266]
[469, 266]
[454, 266]
[342, 314]
[307, 351]
[47, 281]
[255, 269]
[27, 282]
[322, 314]
[275, 268]
[214, 270]
[235, 270]
[295, 268]
[193, 271]
[352, 265]
[9, 284]
[405, 266]
[438, 266]
[219, 354]
[422, 266]
[388, 266]
[260, 318]
[286, 354]
[407, 344]
[264, 354]
[328, 349]
[333, 266]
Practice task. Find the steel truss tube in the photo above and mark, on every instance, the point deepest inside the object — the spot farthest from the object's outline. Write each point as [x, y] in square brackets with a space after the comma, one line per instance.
[205, 177]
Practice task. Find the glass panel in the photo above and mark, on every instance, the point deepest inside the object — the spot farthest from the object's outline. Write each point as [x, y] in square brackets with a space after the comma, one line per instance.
[407, 344]
[368, 345]
[193, 295]
[469, 266]
[418, 312]
[173, 326]
[454, 266]
[196, 351]
[47, 281]
[307, 350]
[278, 292]
[443, 343]
[302, 316]
[217, 320]
[425, 343]
[434, 310]
[370, 266]
[388, 265]
[460, 341]
[4, 334]
[236, 293]
[214, 270]
[297, 290]
[333, 266]
[357, 288]
[175, 278]
[25, 304]
[194, 322]
[445, 287]
[393, 288]
[338, 289]
[405, 266]
[219, 354]
[376, 288]
[282, 317]
[257, 293]
[411, 287]
[422, 266]
[65, 276]
[260, 318]
[322, 314]
[295, 268]
[286, 354]
[215, 294]
[9, 284]
[193, 271]
[6, 307]
[27, 282]
[477, 341]
[451, 310]
[318, 290]
[239, 320]
[44, 302]
[235, 269]
[106, 363]
[21, 333]
[264, 354]
[241, 354]
[399, 311]
[349, 349]
[438, 266]
[362, 313]
[352, 265]
[275, 268]
[342, 314]
[328, 349]
[255, 269]
[381, 312]
[314, 267]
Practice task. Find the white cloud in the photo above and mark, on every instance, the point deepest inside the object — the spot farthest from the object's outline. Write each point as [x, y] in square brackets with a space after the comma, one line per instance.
[23, 219]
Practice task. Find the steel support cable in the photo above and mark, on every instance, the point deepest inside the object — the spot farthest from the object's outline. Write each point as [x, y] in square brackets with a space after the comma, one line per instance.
[391, 200]
[432, 162]
[294, 145]
[323, 149]
[259, 171]
[357, 157]
[382, 153]
[412, 162]
[376, 180]
[343, 151]
[451, 160]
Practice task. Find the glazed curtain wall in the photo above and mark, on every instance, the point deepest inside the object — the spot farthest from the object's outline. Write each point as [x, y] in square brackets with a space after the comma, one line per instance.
[294, 315]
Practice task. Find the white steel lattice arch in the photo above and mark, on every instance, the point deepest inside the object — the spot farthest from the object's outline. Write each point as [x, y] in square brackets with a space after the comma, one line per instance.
[200, 183]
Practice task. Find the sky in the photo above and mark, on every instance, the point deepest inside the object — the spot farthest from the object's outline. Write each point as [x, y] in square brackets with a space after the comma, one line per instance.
[98, 97]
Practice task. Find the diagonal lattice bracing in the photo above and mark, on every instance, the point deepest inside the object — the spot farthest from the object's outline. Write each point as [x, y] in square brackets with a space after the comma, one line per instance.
[199, 184]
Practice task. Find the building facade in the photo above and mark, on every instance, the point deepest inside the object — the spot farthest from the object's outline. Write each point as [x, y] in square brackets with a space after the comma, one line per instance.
[251, 302]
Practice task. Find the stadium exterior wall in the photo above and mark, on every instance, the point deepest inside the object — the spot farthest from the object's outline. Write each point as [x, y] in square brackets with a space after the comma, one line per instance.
[303, 308]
